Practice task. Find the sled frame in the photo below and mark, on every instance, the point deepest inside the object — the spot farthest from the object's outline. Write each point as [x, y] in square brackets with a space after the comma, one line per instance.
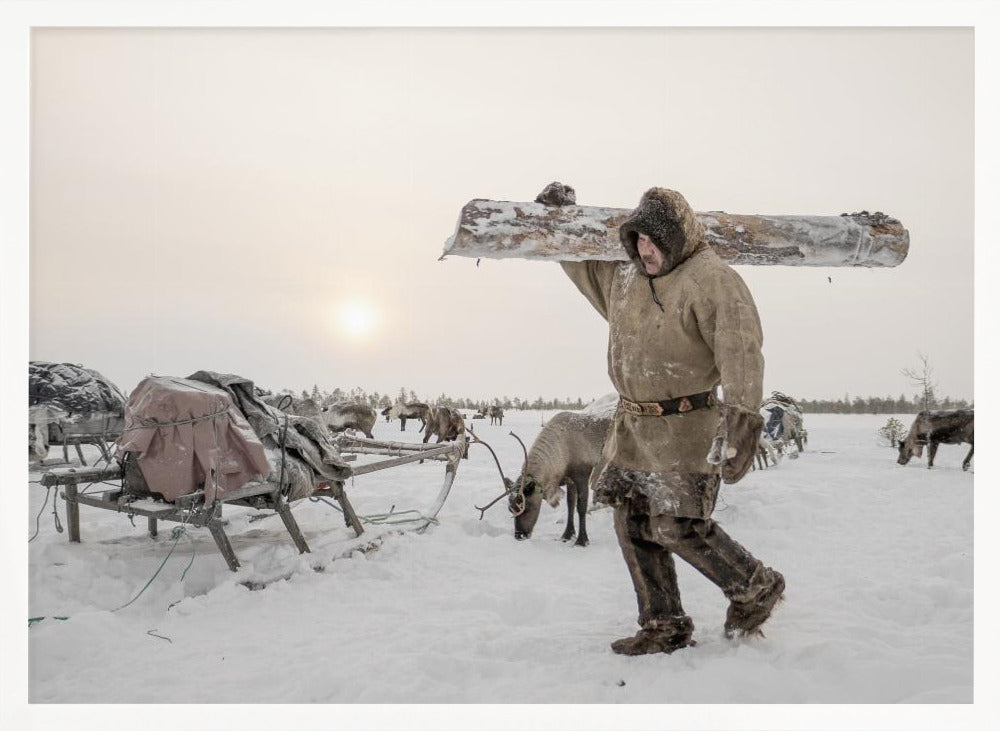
[192, 510]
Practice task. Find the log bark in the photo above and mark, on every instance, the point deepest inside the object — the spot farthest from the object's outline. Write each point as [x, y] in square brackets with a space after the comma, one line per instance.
[506, 229]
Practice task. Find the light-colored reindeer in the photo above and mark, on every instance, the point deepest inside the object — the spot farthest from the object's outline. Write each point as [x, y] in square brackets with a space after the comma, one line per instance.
[564, 453]
[411, 410]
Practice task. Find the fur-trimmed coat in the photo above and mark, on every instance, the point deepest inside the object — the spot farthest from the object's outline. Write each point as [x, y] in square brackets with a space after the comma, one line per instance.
[703, 331]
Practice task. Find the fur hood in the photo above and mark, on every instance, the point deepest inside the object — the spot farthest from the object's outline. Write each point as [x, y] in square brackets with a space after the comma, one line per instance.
[670, 223]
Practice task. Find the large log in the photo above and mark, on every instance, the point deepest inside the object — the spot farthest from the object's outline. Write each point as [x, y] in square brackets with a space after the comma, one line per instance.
[506, 229]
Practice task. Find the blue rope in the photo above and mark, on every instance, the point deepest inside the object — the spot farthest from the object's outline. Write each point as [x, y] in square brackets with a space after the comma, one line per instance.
[39, 516]
[383, 518]
[176, 534]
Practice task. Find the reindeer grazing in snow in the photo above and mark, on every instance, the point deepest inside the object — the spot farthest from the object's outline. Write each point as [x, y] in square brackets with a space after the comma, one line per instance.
[938, 427]
[348, 415]
[412, 410]
[445, 423]
[564, 453]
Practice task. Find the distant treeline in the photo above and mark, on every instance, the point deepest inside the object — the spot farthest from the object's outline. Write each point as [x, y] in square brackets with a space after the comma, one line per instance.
[876, 405]
[379, 401]
[845, 405]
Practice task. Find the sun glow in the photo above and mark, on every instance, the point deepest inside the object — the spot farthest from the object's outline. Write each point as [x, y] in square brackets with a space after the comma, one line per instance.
[355, 319]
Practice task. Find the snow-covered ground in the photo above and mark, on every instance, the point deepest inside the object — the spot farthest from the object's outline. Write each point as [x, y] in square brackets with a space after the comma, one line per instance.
[877, 558]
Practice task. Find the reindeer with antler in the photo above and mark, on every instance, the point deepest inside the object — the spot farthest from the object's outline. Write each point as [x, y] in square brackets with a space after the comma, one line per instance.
[564, 453]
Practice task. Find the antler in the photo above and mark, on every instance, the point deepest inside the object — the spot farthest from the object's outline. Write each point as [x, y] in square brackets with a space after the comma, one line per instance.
[498, 498]
[523, 448]
[477, 440]
[518, 507]
[506, 490]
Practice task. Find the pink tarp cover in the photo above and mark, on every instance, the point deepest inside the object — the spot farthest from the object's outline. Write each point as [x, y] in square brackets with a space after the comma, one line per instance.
[213, 447]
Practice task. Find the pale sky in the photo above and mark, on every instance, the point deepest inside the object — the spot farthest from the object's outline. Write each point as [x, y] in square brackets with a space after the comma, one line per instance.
[216, 199]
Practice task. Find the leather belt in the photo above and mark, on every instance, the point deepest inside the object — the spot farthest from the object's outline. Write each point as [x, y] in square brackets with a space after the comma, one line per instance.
[680, 405]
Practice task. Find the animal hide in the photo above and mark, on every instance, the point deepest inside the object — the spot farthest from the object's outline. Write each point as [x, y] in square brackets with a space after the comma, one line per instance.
[742, 430]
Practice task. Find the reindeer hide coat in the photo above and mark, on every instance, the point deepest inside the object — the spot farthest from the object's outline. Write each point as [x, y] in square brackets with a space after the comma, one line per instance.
[682, 331]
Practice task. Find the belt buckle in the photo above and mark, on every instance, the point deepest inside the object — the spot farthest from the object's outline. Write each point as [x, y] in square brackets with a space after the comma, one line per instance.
[637, 408]
[684, 405]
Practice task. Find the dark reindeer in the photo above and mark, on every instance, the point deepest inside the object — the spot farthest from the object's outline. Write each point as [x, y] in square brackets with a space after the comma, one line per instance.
[938, 427]
[496, 415]
[445, 423]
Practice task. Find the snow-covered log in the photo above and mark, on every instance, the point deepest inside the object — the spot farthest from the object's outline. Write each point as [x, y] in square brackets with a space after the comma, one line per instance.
[505, 229]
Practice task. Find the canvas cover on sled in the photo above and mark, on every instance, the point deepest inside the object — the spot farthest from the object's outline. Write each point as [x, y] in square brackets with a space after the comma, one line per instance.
[69, 402]
[209, 431]
[188, 436]
[77, 400]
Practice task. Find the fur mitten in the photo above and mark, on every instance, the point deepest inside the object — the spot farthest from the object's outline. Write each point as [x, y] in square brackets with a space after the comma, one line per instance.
[557, 194]
[739, 430]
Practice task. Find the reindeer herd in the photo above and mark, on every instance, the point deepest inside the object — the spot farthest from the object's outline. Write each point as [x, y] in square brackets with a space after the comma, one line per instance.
[567, 451]
[443, 422]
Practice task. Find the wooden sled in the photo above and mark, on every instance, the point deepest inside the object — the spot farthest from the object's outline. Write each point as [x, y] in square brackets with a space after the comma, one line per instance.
[192, 510]
[76, 440]
[97, 429]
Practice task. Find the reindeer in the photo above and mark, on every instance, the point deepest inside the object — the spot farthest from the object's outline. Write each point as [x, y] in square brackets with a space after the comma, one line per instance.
[496, 415]
[564, 453]
[291, 405]
[445, 423]
[938, 427]
[348, 415]
[386, 413]
[412, 410]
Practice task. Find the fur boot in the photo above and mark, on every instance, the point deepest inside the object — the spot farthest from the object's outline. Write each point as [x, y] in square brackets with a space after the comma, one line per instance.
[751, 609]
[658, 635]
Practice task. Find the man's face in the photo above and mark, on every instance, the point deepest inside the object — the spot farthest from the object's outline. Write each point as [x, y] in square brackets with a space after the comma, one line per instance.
[652, 257]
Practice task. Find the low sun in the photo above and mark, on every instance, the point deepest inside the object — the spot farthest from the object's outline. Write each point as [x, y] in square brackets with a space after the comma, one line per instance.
[355, 318]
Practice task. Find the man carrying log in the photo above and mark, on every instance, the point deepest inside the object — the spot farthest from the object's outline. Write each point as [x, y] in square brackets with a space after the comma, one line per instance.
[681, 322]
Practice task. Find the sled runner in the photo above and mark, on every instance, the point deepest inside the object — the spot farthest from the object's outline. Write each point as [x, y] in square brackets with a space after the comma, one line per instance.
[192, 445]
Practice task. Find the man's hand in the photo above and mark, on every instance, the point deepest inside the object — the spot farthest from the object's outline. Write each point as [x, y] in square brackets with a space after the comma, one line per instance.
[735, 444]
[557, 194]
